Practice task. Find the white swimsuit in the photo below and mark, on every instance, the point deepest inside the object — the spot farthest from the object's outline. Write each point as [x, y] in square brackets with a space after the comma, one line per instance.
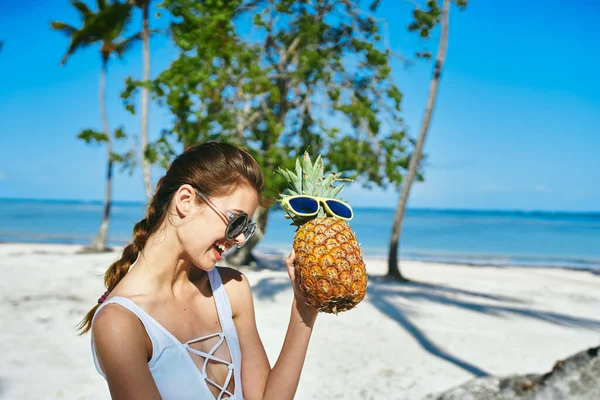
[172, 367]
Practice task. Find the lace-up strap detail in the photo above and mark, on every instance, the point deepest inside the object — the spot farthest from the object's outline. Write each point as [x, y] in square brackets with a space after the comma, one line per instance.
[210, 356]
[229, 330]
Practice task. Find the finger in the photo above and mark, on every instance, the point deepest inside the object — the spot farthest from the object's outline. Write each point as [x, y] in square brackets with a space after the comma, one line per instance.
[291, 257]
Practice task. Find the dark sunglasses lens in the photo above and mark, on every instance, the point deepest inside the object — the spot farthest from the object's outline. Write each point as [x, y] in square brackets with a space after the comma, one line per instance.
[339, 209]
[304, 205]
[236, 226]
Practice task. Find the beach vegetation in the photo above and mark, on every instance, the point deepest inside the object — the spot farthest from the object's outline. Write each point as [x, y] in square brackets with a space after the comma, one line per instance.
[103, 27]
[279, 78]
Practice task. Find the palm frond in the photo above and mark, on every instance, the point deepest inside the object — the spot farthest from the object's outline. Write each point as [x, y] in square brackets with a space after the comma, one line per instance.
[104, 26]
[76, 43]
[83, 8]
[80, 39]
[125, 45]
[112, 22]
[107, 26]
[102, 5]
[62, 27]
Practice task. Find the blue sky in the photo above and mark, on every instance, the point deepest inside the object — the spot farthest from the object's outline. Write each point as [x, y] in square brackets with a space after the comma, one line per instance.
[515, 127]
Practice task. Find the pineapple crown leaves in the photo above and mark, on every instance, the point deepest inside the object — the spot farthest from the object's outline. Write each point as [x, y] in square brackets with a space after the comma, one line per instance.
[309, 179]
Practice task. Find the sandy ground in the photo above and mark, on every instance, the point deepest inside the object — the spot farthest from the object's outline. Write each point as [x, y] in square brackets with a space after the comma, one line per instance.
[401, 342]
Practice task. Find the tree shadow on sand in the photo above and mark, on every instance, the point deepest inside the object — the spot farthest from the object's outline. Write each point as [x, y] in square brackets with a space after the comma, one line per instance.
[381, 292]
[267, 288]
[270, 262]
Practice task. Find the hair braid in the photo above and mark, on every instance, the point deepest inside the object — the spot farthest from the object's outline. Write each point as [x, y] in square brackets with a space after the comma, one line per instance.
[118, 269]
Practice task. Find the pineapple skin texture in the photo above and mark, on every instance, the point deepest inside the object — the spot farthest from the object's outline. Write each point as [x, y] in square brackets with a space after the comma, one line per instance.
[329, 266]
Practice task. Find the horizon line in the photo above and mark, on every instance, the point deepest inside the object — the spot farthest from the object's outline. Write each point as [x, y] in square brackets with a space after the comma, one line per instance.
[452, 209]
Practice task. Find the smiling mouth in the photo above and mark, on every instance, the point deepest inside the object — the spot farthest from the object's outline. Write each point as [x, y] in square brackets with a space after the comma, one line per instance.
[220, 248]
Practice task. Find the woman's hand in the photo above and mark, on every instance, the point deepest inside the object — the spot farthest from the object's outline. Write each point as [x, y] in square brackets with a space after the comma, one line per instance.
[289, 262]
[306, 311]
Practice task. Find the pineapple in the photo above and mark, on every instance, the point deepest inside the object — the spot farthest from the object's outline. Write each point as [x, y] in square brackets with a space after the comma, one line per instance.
[329, 266]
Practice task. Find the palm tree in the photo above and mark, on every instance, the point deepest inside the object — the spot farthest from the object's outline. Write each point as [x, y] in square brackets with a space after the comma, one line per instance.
[393, 269]
[104, 27]
[144, 5]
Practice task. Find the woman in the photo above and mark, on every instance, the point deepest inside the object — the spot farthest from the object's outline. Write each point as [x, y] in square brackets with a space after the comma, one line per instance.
[173, 326]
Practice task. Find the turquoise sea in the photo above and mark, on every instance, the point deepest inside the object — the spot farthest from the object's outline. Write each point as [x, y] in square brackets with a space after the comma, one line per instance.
[555, 239]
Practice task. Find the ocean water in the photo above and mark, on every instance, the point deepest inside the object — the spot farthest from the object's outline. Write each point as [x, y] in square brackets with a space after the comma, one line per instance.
[562, 240]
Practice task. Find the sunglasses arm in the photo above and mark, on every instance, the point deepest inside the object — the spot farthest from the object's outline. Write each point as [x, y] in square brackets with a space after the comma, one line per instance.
[214, 208]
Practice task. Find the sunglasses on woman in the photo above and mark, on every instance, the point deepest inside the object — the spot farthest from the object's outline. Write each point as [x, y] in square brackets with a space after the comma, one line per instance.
[307, 206]
[237, 223]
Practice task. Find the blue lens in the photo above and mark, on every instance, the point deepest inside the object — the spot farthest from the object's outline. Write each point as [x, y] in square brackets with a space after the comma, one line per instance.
[339, 209]
[304, 205]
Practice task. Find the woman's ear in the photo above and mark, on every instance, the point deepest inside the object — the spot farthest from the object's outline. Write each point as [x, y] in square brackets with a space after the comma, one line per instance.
[185, 200]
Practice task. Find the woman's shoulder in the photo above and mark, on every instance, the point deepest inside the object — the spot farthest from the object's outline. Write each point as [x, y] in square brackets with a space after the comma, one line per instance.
[117, 330]
[231, 275]
[114, 320]
[119, 340]
[237, 287]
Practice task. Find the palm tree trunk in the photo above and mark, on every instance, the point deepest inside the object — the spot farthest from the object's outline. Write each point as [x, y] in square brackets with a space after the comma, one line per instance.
[393, 268]
[244, 255]
[146, 168]
[99, 243]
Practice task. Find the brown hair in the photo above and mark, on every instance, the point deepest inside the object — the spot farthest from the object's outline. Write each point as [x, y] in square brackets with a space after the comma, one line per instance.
[213, 168]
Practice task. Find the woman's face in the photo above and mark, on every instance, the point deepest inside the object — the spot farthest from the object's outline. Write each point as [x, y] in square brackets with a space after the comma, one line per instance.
[202, 236]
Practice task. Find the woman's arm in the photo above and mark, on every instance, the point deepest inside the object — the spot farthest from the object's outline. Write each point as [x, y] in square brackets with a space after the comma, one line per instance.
[122, 347]
[260, 382]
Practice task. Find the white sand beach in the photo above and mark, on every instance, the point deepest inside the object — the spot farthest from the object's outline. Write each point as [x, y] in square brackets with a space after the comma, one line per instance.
[402, 342]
